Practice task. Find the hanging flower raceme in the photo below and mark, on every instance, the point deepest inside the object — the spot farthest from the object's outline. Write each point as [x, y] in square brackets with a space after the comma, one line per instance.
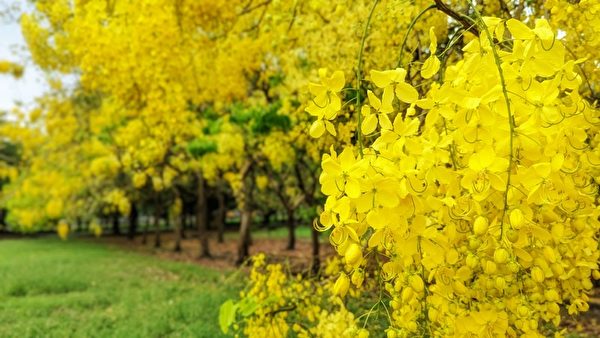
[485, 209]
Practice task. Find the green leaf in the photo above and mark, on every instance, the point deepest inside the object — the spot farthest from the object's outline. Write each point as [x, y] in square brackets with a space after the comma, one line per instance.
[248, 306]
[201, 146]
[227, 315]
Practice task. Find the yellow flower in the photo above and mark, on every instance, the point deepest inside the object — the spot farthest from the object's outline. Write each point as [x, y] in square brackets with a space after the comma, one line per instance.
[381, 108]
[341, 174]
[393, 81]
[432, 64]
[326, 103]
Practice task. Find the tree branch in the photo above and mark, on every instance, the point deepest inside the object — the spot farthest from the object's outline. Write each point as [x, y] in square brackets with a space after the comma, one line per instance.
[441, 6]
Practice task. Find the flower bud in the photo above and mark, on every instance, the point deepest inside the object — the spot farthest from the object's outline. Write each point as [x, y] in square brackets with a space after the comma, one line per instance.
[472, 261]
[341, 285]
[407, 294]
[523, 311]
[500, 283]
[416, 283]
[516, 218]
[512, 235]
[480, 226]
[500, 256]
[549, 254]
[537, 274]
[489, 267]
[353, 254]
[358, 276]
[551, 295]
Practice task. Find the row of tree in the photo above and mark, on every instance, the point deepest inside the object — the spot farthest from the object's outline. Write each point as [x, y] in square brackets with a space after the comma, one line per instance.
[179, 100]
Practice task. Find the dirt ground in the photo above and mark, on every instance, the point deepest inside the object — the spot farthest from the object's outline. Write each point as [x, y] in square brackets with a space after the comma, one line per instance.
[223, 255]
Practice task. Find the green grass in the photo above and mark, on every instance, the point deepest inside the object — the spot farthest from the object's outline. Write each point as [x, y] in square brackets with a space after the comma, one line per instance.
[50, 288]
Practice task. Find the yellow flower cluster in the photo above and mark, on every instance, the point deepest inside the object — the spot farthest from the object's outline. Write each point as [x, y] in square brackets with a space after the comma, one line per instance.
[479, 199]
[579, 21]
[277, 304]
[117, 202]
[7, 67]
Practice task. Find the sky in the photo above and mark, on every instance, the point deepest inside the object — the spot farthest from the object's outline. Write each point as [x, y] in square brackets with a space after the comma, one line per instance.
[13, 48]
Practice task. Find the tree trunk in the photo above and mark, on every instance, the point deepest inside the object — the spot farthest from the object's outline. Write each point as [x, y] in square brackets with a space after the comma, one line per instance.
[2, 219]
[178, 232]
[116, 229]
[266, 221]
[182, 220]
[220, 217]
[157, 216]
[291, 223]
[145, 234]
[133, 222]
[244, 240]
[201, 217]
[316, 261]
[246, 216]
[177, 222]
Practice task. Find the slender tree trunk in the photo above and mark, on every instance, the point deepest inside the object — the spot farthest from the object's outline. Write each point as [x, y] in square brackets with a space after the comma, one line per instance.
[291, 223]
[182, 220]
[2, 219]
[116, 229]
[266, 221]
[201, 217]
[178, 232]
[246, 217]
[316, 261]
[145, 233]
[220, 217]
[177, 222]
[133, 222]
[157, 216]
[165, 217]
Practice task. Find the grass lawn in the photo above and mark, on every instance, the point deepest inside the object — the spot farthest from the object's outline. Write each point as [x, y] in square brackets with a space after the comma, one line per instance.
[50, 288]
